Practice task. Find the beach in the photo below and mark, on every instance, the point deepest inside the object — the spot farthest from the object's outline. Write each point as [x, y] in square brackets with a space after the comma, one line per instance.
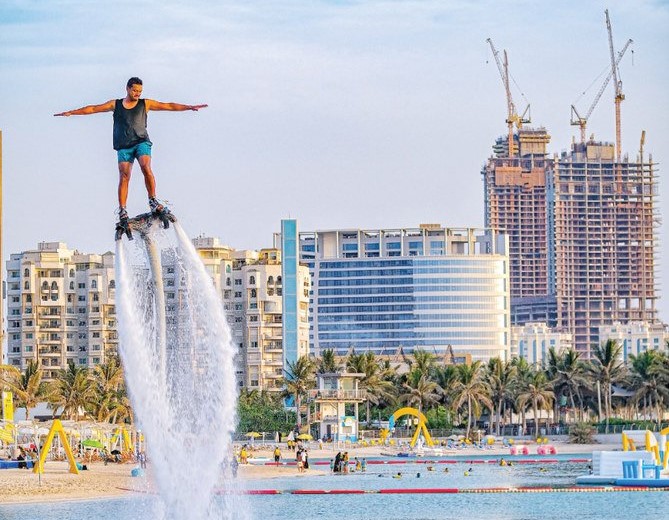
[113, 480]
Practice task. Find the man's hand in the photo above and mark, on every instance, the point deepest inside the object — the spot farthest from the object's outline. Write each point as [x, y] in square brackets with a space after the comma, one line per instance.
[198, 107]
[64, 114]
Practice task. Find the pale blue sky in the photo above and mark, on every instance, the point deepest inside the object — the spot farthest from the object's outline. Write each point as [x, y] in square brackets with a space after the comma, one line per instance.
[342, 114]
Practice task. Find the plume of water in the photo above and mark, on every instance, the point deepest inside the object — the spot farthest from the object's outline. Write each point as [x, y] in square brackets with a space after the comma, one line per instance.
[178, 360]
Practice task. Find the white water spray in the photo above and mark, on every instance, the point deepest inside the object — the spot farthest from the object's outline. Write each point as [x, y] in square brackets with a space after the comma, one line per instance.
[178, 361]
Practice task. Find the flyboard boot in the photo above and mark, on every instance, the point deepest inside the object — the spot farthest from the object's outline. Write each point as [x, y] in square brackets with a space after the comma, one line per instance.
[123, 224]
[161, 212]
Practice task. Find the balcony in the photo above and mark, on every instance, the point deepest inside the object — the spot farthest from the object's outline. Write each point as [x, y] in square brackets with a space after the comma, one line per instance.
[338, 395]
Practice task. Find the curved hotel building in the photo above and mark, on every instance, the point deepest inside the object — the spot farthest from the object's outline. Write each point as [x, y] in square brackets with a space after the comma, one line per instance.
[428, 287]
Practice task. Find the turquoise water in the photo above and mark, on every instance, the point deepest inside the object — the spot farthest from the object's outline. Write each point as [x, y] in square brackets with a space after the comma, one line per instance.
[623, 505]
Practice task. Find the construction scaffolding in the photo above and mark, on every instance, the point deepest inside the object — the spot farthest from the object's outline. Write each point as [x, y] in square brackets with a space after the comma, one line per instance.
[605, 232]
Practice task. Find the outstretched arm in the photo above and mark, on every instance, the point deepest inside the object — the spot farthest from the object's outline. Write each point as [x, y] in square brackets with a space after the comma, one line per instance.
[174, 107]
[89, 109]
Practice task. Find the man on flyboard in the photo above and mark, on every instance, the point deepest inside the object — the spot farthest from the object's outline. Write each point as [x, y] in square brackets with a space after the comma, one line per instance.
[131, 140]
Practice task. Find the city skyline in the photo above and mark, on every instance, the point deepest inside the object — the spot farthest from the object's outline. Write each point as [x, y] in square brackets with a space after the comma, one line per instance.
[353, 100]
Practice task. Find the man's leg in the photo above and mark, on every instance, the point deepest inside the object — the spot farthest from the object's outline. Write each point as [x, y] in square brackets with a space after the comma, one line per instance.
[124, 171]
[149, 179]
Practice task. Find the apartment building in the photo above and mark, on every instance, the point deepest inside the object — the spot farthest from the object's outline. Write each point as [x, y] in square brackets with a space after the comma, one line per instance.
[61, 308]
[252, 290]
[532, 342]
[636, 337]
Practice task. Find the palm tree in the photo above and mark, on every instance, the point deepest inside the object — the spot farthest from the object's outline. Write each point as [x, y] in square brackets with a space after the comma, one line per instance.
[375, 385]
[607, 368]
[327, 363]
[299, 379]
[646, 378]
[471, 389]
[73, 390]
[27, 387]
[499, 378]
[522, 376]
[539, 393]
[111, 402]
[420, 390]
[424, 362]
[568, 374]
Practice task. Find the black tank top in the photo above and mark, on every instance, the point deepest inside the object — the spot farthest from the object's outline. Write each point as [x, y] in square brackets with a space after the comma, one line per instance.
[129, 125]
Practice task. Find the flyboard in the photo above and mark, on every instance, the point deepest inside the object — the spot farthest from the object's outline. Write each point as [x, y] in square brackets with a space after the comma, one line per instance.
[142, 223]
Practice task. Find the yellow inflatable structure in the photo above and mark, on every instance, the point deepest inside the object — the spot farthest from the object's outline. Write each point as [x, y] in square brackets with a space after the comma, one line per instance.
[422, 424]
[659, 450]
[56, 428]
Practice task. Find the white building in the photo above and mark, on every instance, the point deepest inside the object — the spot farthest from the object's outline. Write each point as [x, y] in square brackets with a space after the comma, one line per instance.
[251, 287]
[532, 342]
[60, 307]
[636, 337]
[429, 287]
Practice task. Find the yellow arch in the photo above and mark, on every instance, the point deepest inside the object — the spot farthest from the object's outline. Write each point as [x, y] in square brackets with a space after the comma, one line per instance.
[56, 428]
[422, 424]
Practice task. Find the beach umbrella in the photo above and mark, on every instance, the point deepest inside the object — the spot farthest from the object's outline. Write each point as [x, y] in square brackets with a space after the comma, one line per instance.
[253, 435]
[304, 437]
[92, 443]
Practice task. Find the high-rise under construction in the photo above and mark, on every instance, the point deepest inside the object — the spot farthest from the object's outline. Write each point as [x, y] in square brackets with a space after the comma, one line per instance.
[516, 204]
[603, 213]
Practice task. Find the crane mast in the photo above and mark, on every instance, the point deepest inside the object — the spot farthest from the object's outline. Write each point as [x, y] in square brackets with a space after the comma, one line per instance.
[512, 116]
[583, 121]
[617, 83]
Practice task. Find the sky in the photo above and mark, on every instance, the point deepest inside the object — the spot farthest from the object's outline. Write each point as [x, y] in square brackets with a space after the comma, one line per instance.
[360, 114]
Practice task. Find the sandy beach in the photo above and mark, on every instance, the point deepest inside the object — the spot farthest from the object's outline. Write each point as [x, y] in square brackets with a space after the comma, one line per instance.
[100, 481]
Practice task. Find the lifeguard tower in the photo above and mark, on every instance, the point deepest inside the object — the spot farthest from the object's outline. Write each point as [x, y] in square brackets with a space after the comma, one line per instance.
[337, 397]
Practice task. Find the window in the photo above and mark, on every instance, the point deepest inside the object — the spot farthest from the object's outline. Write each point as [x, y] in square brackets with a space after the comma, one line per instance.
[238, 281]
[82, 361]
[270, 280]
[26, 272]
[71, 286]
[29, 335]
[96, 334]
[238, 294]
[29, 298]
[71, 273]
[94, 284]
[254, 344]
[26, 286]
[81, 298]
[253, 318]
[254, 293]
[54, 286]
[81, 285]
[252, 280]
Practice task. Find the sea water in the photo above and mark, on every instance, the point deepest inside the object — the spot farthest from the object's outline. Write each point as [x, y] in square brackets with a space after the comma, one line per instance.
[618, 505]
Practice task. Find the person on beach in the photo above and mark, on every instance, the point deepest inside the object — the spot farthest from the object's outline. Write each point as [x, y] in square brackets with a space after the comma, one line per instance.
[131, 139]
[337, 463]
[363, 465]
[277, 455]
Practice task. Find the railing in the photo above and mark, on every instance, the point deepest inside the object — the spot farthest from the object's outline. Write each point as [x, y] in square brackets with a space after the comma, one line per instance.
[340, 395]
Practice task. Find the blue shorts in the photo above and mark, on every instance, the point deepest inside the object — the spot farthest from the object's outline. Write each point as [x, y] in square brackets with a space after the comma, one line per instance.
[129, 154]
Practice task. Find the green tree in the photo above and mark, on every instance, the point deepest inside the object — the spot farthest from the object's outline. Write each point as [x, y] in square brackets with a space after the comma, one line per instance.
[499, 376]
[377, 388]
[647, 381]
[538, 392]
[298, 380]
[471, 391]
[111, 402]
[27, 386]
[327, 363]
[607, 368]
[73, 391]
[419, 390]
[569, 376]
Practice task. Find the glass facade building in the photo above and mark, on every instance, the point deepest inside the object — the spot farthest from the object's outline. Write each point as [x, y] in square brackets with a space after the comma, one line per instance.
[289, 300]
[428, 287]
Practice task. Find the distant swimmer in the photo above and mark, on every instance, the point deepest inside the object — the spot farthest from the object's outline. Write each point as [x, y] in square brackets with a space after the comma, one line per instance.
[445, 470]
[399, 475]
[430, 468]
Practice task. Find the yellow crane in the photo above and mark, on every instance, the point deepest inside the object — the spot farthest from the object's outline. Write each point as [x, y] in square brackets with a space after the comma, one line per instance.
[617, 83]
[582, 121]
[512, 117]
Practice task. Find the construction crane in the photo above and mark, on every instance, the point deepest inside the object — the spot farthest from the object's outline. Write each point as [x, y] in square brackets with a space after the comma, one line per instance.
[618, 84]
[576, 119]
[512, 116]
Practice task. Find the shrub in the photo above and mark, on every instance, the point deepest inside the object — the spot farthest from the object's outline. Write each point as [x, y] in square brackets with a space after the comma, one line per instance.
[582, 433]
